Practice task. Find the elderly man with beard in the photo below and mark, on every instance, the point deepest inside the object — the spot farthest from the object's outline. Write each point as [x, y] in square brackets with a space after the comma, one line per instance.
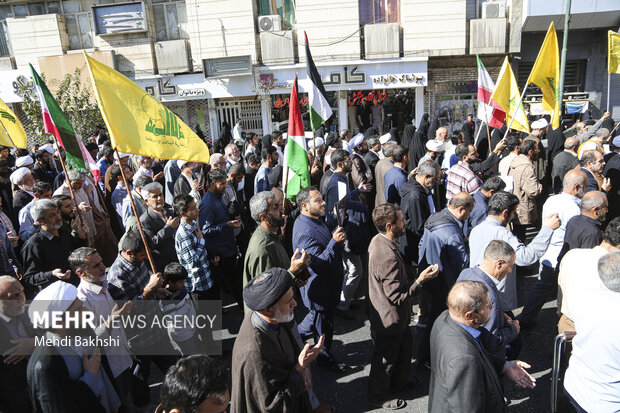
[270, 372]
[22, 178]
[16, 340]
[159, 225]
[63, 377]
[45, 253]
[93, 292]
[390, 293]
[232, 154]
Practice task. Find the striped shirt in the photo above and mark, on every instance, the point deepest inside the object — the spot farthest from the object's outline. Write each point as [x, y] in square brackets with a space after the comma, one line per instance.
[461, 179]
[193, 257]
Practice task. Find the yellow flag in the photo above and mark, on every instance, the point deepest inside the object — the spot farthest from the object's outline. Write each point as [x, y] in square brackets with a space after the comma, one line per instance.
[546, 75]
[507, 96]
[614, 52]
[138, 123]
[11, 125]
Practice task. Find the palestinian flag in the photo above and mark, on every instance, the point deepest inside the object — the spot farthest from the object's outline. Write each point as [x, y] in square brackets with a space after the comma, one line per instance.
[319, 108]
[57, 124]
[296, 173]
[488, 110]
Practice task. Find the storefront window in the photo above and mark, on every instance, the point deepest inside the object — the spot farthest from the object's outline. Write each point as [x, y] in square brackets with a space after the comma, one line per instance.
[395, 107]
[280, 111]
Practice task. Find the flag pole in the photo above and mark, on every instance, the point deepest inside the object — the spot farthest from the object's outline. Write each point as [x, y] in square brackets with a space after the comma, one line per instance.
[135, 213]
[486, 116]
[608, 84]
[518, 104]
[613, 130]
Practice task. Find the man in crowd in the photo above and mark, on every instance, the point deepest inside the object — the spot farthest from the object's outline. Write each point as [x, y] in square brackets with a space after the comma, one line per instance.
[191, 250]
[195, 383]
[612, 171]
[338, 186]
[360, 172]
[464, 377]
[22, 178]
[219, 232]
[578, 275]
[499, 258]
[443, 243]
[566, 205]
[232, 154]
[146, 168]
[16, 340]
[252, 164]
[321, 293]
[186, 183]
[43, 170]
[460, 177]
[586, 229]
[417, 205]
[513, 146]
[583, 132]
[372, 156]
[267, 377]
[65, 378]
[92, 291]
[159, 225]
[501, 210]
[390, 293]
[591, 382]
[269, 155]
[120, 191]
[45, 253]
[237, 131]
[491, 186]
[592, 164]
[564, 162]
[40, 190]
[434, 150]
[526, 187]
[396, 176]
[383, 165]
[129, 220]
[595, 143]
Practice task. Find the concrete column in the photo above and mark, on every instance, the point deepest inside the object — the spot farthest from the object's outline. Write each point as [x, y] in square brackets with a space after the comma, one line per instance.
[419, 105]
[343, 118]
[265, 111]
[214, 126]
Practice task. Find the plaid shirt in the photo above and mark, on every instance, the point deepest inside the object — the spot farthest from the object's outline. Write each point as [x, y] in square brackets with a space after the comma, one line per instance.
[127, 281]
[461, 179]
[6, 221]
[193, 256]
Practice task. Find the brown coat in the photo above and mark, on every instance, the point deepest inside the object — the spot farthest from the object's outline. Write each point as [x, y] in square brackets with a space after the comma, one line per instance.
[358, 177]
[382, 167]
[526, 187]
[389, 288]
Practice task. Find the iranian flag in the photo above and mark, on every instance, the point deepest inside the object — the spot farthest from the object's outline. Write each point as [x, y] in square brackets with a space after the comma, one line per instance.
[319, 108]
[488, 111]
[57, 124]
[296, 173]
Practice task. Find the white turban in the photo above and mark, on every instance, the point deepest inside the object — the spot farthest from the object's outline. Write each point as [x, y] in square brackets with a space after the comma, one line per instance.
[56, 297]
[18, 175]
[540, 124]
[356, 140]
[435, 146]
[23, 161]
[319, 142]
[385, 138]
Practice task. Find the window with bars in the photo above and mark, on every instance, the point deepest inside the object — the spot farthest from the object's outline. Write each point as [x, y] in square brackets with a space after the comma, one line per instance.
[284, 8]
[379, 11]
[170, 20]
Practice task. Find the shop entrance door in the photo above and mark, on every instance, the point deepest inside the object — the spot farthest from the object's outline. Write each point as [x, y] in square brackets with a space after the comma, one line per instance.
[249, 111]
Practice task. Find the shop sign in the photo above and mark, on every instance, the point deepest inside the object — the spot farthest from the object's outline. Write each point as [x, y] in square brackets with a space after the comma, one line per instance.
[279, 103]
[402, 79]
[359, 96]
[192, 92]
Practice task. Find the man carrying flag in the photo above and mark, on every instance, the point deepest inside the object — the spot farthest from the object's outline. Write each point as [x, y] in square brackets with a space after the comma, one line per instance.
[320, 111]
[296, 173]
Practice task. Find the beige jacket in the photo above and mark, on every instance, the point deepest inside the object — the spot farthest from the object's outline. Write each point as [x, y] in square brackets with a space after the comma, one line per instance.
[526, 187]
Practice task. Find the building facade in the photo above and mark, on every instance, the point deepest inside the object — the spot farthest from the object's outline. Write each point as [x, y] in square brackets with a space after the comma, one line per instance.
[212, 61]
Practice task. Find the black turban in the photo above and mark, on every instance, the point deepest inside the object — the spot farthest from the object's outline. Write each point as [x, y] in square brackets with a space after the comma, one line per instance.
[273, 284]
[331, 139]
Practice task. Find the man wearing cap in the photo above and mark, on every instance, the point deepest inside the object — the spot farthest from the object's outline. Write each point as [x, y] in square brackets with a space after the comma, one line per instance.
[61, 377]
[538, 132]
[270, 372]
[360, 172]
[23, 179]
[43, 170]
[186, 183]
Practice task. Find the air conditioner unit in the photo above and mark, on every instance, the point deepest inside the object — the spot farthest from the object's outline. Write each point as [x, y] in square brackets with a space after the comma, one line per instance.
[269, 23]
[493, 9]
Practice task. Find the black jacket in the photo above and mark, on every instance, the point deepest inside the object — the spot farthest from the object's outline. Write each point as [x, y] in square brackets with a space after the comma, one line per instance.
[463, 378]
[161, 237]
[52, 390]
[416, 210]
[14, 396]
[181, 186]
[20, 200]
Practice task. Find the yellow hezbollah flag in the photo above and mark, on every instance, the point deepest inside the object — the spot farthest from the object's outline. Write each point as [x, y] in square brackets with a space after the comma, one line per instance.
[12, 132]
[546, 75]
[507, 96]
[614, 52]
[138, 123]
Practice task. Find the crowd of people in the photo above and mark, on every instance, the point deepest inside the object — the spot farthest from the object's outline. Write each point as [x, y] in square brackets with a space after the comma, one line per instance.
[447, 222]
